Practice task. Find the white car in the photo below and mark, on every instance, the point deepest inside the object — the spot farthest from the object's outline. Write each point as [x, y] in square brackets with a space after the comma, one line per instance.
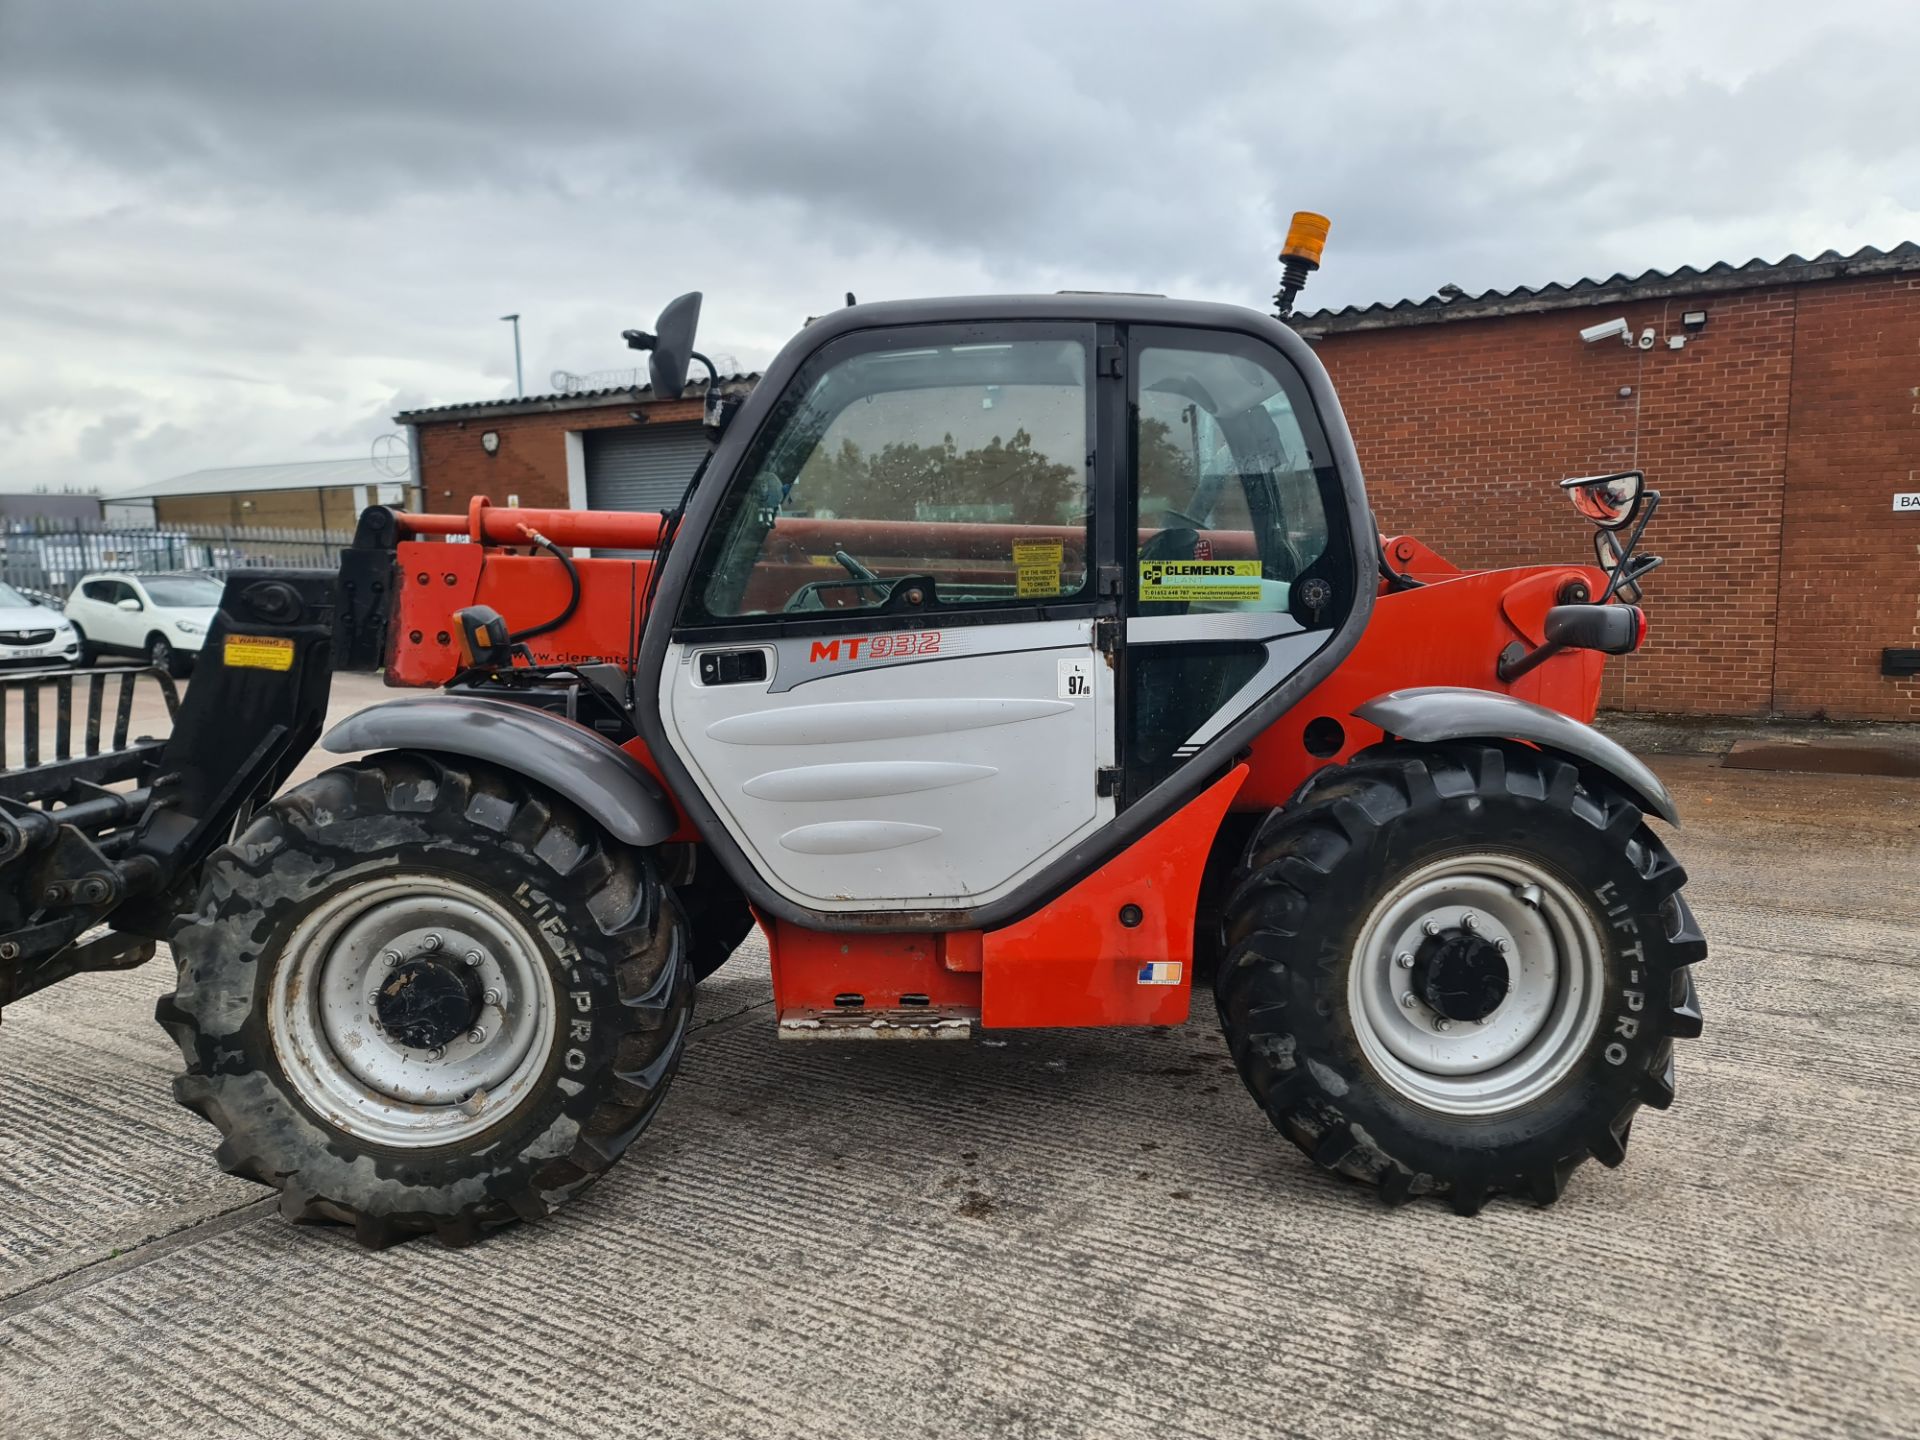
[29, 631]
[163, 618]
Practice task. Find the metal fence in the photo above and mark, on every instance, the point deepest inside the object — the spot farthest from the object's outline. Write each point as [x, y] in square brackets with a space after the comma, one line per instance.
[52, 559]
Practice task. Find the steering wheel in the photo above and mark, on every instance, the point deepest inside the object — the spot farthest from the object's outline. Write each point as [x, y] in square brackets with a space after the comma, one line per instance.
[809, 597]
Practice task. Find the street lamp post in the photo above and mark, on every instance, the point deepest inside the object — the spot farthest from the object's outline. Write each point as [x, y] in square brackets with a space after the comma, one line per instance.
[519, 386]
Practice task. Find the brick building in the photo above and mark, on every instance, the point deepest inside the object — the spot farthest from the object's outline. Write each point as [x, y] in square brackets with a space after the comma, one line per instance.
[615, 449]
[1778, 432]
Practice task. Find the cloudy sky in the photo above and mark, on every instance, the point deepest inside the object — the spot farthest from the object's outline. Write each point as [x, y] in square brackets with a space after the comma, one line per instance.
[233, 233]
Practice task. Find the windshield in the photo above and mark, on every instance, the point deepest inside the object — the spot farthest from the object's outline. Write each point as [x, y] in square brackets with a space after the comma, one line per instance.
[961, 465]
[186, 591]
[12, 598]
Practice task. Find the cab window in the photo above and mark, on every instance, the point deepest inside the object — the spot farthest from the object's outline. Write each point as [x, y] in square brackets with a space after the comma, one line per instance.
[954, 472]
[1231, 495]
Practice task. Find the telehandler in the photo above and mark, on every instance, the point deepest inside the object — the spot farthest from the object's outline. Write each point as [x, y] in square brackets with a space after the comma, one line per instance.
[1010, 662]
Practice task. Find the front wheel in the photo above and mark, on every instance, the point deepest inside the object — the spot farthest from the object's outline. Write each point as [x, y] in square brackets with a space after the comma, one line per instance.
[421, 997]
[1458, 971]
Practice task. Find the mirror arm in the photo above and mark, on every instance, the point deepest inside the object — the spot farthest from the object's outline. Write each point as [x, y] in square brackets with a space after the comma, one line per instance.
[1623, 554]
[1516, 661]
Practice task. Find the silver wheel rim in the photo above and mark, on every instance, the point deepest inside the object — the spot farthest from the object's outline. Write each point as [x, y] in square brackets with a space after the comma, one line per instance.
[1556, 960]
[342, 1061]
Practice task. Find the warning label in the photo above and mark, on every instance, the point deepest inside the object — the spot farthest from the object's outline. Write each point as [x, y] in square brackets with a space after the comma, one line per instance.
[1170, 581]
[257, 652]
[1036, 568]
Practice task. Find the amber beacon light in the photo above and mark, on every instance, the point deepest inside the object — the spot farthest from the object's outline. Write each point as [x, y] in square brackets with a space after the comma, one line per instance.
[1306, 238]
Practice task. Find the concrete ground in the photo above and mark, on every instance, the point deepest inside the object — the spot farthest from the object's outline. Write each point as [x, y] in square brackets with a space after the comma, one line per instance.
[1041, 1234]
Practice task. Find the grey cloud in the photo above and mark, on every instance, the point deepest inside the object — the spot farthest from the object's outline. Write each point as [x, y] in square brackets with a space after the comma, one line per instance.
[101, 440]
[267, 223]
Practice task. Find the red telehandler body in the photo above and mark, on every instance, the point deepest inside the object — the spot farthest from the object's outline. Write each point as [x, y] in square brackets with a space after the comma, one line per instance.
[1011, 662]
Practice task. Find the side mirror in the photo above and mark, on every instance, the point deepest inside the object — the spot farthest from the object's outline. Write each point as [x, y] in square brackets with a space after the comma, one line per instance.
[131, 605]
[1609, 501]
[672, 345]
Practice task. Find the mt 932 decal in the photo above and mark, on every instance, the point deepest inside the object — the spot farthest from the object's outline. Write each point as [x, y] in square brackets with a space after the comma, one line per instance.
[876, 647]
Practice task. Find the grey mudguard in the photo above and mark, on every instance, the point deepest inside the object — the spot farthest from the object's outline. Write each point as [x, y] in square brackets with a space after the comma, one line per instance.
[1444, 712]
[566, 757]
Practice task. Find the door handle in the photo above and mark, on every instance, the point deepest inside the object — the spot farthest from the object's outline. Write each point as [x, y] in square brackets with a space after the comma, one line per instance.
[732, 667]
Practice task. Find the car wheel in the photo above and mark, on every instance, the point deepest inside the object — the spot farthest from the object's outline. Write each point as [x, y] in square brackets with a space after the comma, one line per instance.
[162, 656]
[86, 654]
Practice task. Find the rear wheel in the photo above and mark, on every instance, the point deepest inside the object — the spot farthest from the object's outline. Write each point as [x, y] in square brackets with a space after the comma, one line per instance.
[419, 998]
[1458, 971]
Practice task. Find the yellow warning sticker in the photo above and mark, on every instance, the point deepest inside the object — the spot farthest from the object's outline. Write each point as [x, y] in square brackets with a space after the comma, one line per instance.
[1172, 581]
[826, 560]
[258, 652]
[1036, 567]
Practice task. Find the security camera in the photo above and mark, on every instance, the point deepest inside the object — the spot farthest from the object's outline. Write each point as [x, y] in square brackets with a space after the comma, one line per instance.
[1646, 338]
[1610, 330]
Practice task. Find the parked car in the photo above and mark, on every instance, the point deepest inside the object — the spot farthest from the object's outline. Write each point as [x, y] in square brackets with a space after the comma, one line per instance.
[30, 631]
[163, 618]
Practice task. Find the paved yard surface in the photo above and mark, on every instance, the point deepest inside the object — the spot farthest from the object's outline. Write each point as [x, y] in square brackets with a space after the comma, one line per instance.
[1061, 1234]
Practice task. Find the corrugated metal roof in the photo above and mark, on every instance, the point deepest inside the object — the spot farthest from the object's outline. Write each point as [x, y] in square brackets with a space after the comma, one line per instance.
[295, 475]
[1649, 284]
[565, 400]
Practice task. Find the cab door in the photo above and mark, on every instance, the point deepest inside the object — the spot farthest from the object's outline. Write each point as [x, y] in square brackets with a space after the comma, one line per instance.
[1240, 561]
[891, 674]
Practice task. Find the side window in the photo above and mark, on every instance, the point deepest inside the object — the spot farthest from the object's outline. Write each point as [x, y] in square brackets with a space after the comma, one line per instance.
[99, 590]
[963, 467]
[1232, 502]
[1240, 539]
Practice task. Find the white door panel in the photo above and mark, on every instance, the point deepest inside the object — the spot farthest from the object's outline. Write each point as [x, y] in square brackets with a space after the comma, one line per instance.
[913, 782]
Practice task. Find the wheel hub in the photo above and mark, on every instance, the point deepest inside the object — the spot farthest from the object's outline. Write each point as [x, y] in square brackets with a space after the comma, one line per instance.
[413, 1009]
[425, 1003]
[1461, 975]
[1476, 982]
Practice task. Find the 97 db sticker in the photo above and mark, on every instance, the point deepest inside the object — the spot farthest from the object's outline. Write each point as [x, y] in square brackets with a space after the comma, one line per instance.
[1076, 679]
[258, 652]
[1172, 581]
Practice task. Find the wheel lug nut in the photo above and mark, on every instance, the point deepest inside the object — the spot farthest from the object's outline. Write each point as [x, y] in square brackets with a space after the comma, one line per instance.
[490, 997]
[472, 957]
[1502, 946]
[436, 1052]
[432, 942]
[1403, 960]
[1484, 1020]
[1408, 1001]
[390, 957]
[476, 1035]
[1443, 1023]
[1430, 929]
[1469, 921]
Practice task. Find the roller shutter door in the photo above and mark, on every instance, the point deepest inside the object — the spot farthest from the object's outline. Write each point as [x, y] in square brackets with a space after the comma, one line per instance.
[641, 467]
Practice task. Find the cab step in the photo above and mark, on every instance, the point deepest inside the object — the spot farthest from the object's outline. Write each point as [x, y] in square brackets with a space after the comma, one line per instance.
[903, 1023]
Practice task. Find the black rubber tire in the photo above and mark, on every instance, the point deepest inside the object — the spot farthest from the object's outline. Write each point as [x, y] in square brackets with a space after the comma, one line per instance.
[610, 932]
[1312, 874]
[717, 915]
[162, 656]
